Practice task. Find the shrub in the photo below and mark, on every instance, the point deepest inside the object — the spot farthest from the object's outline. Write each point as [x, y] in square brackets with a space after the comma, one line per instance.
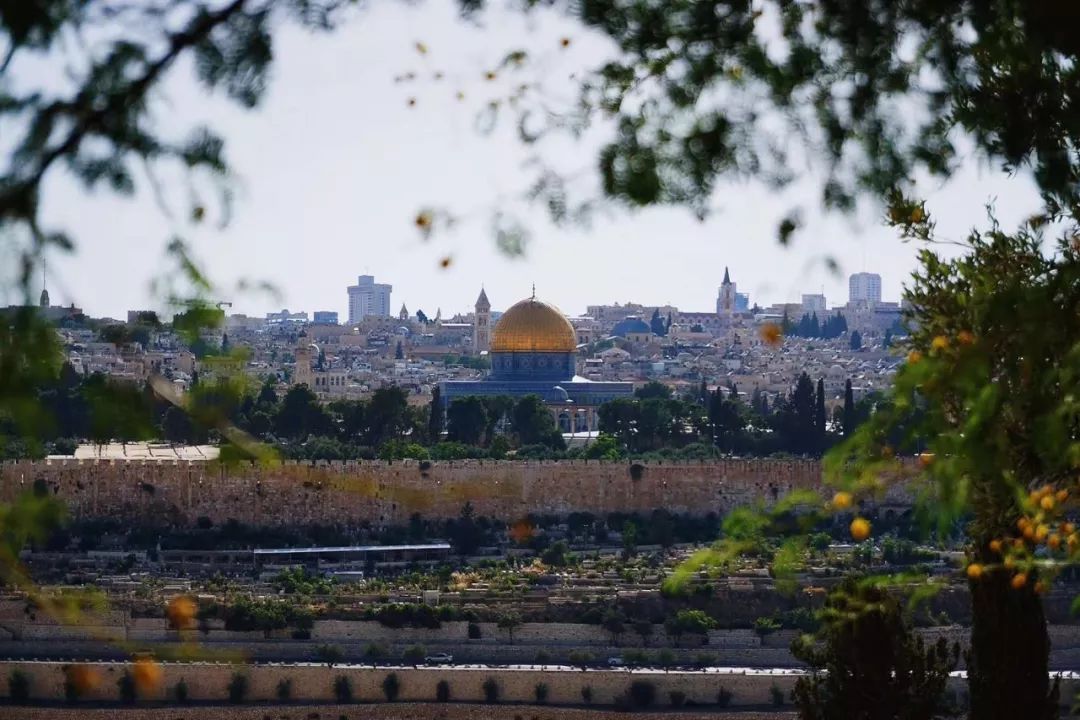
[238, 688]
[126, 685]
[391, 687]
[491, 691]
[180, 692]
[586, 694]
[766, 626]
[635, 657]
[777, 695]
[19, 687]
[375, 652]
[442, 691]
[642, 693]
[677, 697]
[665, 658]
[542, 658]
[329, 654]
[414, 655]
[474, 631]
[284, 689]
[704, 659]
[724, 697]
[343, 689]
[541, 692]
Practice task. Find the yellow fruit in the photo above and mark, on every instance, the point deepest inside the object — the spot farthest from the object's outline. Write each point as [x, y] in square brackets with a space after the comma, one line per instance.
[1047, 502]
[181, 612]
[83, 678]
[1054, 541]
[1041, 533]
[1018, 581]
[771, 334]
[965, 337]
[926, 459]
[1072, 540]
[147, 675]
[995, 546]
[1068, 528]
[913, 357]
[974, 571]
[939, 343]
[860, 529]
[841, 500]
[1062, 495]
[1023, 522]
[917, 215]
[1009, 562]
[1040, 587]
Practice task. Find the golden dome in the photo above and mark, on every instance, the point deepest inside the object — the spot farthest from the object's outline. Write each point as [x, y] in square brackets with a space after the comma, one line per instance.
[533, 326]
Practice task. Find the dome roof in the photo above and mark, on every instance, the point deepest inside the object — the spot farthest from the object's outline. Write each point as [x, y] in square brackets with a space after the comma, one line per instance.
[631, 324]
[533, 326]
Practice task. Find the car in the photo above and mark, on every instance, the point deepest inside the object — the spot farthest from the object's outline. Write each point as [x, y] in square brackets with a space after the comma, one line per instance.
[615, 662]
[439, 659]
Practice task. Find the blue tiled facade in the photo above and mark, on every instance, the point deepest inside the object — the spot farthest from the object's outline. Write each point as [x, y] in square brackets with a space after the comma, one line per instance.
[549, 375]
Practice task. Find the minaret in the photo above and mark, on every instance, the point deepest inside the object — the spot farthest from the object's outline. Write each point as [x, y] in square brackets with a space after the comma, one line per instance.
[482, 324]
[304, 353]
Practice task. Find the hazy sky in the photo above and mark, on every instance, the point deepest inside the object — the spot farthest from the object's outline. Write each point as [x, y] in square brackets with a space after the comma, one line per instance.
[334, 165]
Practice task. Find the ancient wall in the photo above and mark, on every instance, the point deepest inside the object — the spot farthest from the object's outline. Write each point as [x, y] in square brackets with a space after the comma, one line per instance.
[316, 683]
[389, 492]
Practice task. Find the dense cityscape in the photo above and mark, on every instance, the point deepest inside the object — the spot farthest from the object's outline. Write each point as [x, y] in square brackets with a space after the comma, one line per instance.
[440, 492]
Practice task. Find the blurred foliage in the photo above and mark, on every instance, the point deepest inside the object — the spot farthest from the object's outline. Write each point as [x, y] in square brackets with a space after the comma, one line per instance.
[862, 95]
[867, 663]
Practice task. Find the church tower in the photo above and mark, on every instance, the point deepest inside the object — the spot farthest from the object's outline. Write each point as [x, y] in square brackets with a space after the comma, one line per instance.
[404, 314]
[482, 324]
[725, 300]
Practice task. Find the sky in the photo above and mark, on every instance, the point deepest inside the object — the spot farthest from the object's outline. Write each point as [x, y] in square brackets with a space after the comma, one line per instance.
[332, 168]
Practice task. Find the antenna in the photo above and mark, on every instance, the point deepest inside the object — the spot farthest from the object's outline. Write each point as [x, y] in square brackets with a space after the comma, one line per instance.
[534, 291]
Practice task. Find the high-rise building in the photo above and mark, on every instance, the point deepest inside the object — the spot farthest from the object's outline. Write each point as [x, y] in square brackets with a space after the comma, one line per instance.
[742, 302]
[813, 304]
[864, 287]
[368, 298]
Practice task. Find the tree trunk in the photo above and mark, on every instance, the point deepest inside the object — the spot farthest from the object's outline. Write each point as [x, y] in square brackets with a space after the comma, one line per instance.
[1008, 667]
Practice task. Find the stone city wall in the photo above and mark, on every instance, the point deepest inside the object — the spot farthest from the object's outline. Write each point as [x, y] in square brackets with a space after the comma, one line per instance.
[389, 492]
[209, 682]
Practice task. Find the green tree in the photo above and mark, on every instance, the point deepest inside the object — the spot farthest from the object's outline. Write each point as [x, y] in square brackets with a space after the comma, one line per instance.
[435, 415]
[466, 420]
[866, 662]
[855, 340]
[985, 390]
[849, 408]
[387, 415]
[532, 421]
[509, 621]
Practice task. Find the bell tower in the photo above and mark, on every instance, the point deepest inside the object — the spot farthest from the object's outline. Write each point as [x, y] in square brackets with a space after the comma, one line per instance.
[482, 324]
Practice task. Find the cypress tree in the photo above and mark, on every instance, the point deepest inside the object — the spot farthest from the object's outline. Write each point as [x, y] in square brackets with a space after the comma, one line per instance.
[849, 409]
[435, 415]
[819, 413]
